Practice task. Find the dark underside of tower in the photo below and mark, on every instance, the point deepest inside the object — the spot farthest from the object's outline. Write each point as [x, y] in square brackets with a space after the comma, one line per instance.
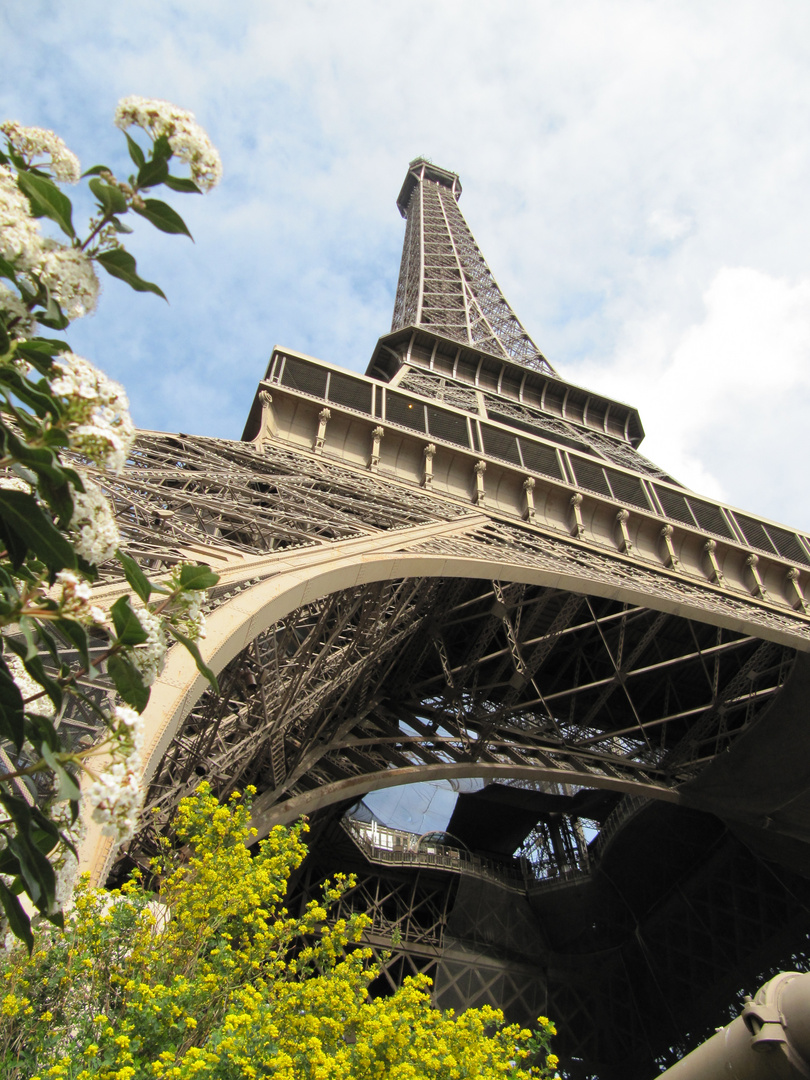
[520, 599]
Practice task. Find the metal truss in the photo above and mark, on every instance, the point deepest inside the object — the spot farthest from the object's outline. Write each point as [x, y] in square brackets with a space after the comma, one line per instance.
[445, 285]
[505, 605]
[427, 676]
[413, 677]
[404, 675]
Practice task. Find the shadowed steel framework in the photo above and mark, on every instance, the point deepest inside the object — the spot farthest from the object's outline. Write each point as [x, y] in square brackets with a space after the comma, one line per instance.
[460, 566]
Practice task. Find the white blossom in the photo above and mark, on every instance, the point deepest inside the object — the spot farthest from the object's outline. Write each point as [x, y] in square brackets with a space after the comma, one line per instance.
[20, 241]
[116, 799]
[96, 416]
[28, 687]
[75, 600]
[187, 614]
[149, 657]
[128, 726]
[187, 139]
[16, 313]
[115, 796]
[92, 527]
[63, 860]
[71, 278]
[32, 142]
[14, 483]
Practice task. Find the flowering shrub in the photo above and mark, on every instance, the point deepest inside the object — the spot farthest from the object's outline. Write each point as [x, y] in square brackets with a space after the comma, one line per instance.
[63, 424]
[219, 980]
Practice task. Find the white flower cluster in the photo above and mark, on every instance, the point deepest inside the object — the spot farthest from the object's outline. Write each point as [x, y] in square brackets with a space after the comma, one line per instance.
[66, 271]
[187, 139]
[71, 278]
[32, 142]
[93, 529]
[116, 796]
[150, 657]
[13, 483]
[18, 318]
[63, 860]
[187, 614]
[28, 687]
[97, 419]
[75, 600]
[20, 242]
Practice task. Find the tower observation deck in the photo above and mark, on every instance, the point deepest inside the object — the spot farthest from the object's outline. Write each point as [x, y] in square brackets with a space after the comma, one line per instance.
[459, 568]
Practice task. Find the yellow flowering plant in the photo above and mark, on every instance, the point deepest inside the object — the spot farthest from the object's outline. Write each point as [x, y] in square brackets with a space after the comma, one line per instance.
[212, 977]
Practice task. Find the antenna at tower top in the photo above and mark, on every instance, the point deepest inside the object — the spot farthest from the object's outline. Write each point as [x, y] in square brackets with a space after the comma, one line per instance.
[445, 285]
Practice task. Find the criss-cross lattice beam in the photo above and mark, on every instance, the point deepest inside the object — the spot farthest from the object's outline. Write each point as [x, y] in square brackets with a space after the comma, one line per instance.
[444, 284]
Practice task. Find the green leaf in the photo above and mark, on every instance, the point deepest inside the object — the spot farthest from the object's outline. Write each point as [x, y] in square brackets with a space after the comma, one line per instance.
[12, 716]
[35, 357]
[202, 667]
[120, 264]
[59, 497]
[128, 629]
[135, 151]
[21, 516]
[7, 270]
[128, 682]
[38, 459]
[135, 576]
[198, 576]
[36, 669]
[162, 217]
[35, 868]
[22, 522]
[47, 200]
[17, 919]
[68, 790]
[77, 636]
[152, 173]
[162, 148]
[111, 199]
[41, 401]
[47, 346]
[5, 340]
[97, 170]
[15, 548]
[119, 226]
[179, 183]
[39, 729]
[28, 630]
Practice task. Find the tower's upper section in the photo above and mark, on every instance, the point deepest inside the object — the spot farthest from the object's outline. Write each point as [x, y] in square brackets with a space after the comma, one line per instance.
[445, 285]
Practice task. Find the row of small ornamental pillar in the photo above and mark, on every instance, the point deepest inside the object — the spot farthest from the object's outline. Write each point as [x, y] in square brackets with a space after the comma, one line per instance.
[625, 546]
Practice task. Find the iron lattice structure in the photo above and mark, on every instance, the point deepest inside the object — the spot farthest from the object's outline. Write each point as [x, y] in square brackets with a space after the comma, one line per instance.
[459, 566]
[444, 282]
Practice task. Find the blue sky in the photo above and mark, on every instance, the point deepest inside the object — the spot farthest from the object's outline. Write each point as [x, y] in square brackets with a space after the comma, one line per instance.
[635, 173]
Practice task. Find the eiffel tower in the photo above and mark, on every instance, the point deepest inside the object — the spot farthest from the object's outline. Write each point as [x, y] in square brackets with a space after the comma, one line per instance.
[459, 568]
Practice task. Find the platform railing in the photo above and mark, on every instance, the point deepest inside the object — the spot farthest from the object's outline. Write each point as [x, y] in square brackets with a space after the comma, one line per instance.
[393, 847]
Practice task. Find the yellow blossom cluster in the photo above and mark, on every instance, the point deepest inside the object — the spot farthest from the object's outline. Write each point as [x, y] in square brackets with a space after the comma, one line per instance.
[210, 976]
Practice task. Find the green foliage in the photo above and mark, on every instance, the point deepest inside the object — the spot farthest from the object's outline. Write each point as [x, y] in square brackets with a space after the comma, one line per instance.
[63, 425]
[217, 979]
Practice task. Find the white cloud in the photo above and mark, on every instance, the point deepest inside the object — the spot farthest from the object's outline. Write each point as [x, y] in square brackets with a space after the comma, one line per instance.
[617, 157]
[726, 400]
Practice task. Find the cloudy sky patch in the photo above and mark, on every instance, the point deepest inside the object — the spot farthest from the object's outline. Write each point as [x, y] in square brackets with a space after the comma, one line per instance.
[635, 173]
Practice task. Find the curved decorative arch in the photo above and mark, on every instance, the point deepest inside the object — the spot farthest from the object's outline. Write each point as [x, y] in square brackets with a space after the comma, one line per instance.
[328, 794]
[301, 577]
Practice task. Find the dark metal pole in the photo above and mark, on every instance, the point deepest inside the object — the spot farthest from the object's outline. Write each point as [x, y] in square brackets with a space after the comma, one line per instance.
[769, 1040]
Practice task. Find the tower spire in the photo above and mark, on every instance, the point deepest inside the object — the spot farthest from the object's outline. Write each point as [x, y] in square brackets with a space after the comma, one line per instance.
[444, 283]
